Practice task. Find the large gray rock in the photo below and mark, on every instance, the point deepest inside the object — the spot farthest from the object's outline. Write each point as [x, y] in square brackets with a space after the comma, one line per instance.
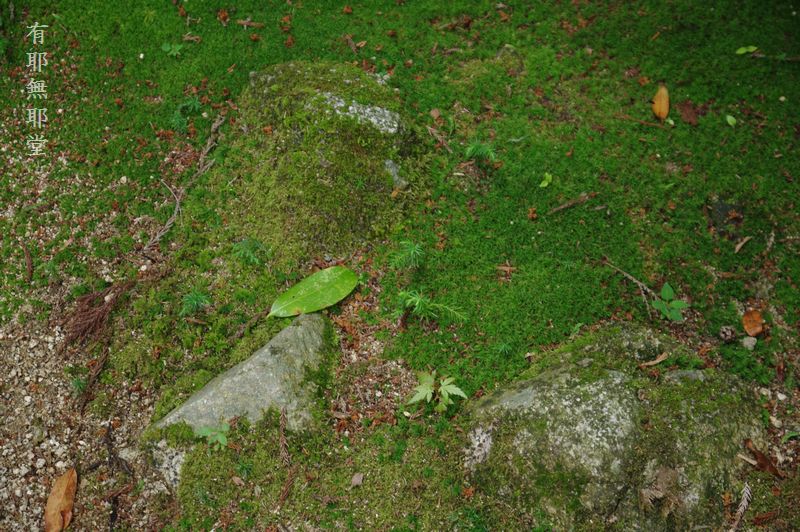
[275, 377]
[587, 440]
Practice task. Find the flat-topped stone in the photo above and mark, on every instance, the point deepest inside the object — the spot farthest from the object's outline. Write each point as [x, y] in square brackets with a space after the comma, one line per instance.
[275, 377]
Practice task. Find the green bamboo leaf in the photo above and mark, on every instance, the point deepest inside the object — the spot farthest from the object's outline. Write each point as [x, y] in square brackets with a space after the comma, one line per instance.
[317, 291]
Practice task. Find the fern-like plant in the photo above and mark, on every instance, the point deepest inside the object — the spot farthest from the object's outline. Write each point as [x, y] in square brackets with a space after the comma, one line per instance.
[481, 153]
[250, 251]
[415, 304]
[194, 302]
[408, 255]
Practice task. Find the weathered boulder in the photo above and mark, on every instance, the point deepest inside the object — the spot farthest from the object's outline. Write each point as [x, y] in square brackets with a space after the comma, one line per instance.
[323, 155]
[279, 375]
[588, 440]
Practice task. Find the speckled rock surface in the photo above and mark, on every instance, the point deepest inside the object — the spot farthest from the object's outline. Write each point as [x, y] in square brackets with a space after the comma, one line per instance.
[275, 377]
[587, 440]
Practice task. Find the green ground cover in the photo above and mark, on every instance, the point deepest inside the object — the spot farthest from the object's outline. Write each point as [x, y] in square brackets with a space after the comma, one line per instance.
[552, 89]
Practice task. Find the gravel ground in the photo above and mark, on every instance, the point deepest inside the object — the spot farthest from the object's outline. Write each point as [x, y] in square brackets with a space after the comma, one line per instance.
[44, 434]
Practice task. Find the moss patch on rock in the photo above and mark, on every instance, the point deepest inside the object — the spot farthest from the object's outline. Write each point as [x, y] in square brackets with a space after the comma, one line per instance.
[590, 440]
[322, 161]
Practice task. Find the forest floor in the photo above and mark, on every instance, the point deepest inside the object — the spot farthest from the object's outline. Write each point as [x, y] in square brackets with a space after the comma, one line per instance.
[551, 181]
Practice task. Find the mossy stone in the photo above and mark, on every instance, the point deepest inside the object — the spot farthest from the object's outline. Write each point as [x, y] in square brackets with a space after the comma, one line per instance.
[322, 161]
[287, 373]
[592, 441]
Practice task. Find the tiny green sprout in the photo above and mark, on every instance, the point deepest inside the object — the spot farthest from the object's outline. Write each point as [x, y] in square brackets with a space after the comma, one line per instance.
[178, 122]
[414, 303]
[548, 178]
[173, 50]
[216, 437]
[440, 392]
[730, 120]
[789, 436]
[480, 153]
[194, 302]
[408, 255]
[669, 307]
[249, 251]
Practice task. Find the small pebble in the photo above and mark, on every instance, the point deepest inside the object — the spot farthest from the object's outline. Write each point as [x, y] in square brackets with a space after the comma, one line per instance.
[749, 343]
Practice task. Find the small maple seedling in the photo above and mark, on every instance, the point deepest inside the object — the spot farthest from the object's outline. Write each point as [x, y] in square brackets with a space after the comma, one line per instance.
[440, 392]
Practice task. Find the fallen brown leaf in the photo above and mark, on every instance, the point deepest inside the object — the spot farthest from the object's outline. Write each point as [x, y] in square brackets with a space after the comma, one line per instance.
[223, 17]
[661, 102]
[289, 42]
[753, 323]
[58, 512]
[347, 10]
[357, 480]
[763, 462]
[687, 111]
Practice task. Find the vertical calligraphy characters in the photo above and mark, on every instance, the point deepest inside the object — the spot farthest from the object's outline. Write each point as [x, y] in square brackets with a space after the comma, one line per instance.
[36, 112]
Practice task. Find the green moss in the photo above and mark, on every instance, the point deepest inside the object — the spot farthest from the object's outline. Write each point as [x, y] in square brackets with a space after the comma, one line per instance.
[426, 484]
[317, 180]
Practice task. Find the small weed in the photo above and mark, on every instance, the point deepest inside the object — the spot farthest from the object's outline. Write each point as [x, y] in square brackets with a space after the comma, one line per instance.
[503, 349]
[178, 122]
[78, 385]
[172, 49]
[216, 437]
[250, 251]
[191, 105]
[480, 153]
[409, 255]
[423, 308]
[78, 382]
[244, 468]
[440, 392]
[194, 302]
[669, 307]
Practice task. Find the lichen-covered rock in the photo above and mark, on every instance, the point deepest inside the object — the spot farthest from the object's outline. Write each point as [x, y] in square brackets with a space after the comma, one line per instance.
[324, 158]
[587, 440]
[277, 376]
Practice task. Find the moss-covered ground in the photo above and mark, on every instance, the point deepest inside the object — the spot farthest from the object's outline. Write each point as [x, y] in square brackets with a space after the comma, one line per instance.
[557, 93]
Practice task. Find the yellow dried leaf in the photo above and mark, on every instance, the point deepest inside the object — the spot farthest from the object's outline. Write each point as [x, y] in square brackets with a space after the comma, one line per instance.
[58, 512]
[661, 102]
